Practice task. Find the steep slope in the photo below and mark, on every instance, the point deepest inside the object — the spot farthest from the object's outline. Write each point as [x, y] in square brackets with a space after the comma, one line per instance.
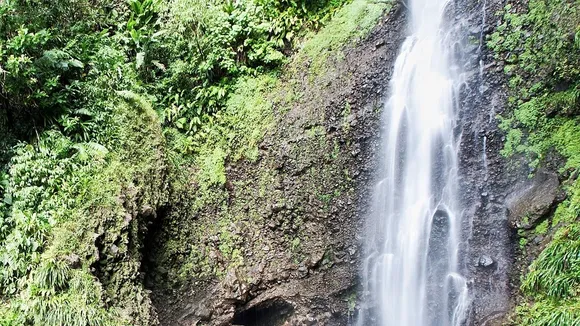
[74, 220]
[267, 231]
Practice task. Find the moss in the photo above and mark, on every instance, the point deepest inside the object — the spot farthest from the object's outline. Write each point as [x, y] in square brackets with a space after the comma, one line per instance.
[317, 131]
[350, 24]
[335, 150]
[236, 132]
[296, 244]
[542, 228]
[351, 302]
[566, 139]
[542, 59]
[212, 168]
[523, 242]
[569, 210]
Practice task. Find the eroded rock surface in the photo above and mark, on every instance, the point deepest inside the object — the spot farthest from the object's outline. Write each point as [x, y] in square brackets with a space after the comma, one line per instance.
[294, 215]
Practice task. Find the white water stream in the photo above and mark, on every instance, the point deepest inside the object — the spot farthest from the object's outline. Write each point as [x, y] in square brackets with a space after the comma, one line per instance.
[411, 273]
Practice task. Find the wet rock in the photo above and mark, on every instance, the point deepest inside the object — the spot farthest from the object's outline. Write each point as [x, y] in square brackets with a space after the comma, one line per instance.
[316, 258]
[73, 260]
[204, 313]
[194, 314]
[484, 261]
[128, 218]
[114, 250]
[278, 207]
[148, 211]
[352, 251]
[528, 208]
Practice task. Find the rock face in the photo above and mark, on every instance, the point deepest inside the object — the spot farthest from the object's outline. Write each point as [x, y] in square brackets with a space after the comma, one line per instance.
[295, 213]
[527, 207]
[486, 180]
[487, 256]
[300, 207]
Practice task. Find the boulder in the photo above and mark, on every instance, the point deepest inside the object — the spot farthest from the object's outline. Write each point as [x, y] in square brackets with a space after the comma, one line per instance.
[527, 208]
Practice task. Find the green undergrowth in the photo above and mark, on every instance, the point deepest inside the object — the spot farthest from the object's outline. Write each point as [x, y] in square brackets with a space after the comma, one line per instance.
[347, 25]
[539, 45]
[539, 42]
[93, 96]
[233, 135]
[238, 129]
[552, 282]
[63, 198]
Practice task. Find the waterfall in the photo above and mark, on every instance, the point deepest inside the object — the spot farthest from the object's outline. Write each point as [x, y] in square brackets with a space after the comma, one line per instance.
[484, 157]
[411, 271]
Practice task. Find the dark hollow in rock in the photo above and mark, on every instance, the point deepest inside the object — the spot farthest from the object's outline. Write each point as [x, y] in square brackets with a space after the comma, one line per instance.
[153, 236]
[268, 313]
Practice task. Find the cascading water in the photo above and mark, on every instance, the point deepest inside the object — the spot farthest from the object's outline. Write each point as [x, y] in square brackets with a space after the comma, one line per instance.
[411, 271]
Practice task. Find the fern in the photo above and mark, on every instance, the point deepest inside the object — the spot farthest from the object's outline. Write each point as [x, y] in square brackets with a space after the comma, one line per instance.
[52, 274]
[90, 151]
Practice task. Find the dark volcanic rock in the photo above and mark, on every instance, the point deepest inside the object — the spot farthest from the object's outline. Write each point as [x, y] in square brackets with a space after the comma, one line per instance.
[486, 180]
[530, 204]
[484, 261]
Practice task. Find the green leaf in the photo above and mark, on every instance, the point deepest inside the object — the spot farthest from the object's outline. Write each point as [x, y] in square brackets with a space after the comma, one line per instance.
[76, 63]
[140, 59]
[181, 122]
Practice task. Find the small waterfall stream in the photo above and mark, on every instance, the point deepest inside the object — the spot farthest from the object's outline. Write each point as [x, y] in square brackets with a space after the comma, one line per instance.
[411, 272]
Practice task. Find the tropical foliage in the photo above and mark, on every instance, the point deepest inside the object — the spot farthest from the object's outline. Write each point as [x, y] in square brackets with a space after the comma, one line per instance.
[93, 96]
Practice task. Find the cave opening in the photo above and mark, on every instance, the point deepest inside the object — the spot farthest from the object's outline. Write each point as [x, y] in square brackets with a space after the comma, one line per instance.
[269, 313]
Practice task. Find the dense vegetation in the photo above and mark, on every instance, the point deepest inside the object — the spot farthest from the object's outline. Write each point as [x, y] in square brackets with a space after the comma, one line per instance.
[539, 42]
[99, 103]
